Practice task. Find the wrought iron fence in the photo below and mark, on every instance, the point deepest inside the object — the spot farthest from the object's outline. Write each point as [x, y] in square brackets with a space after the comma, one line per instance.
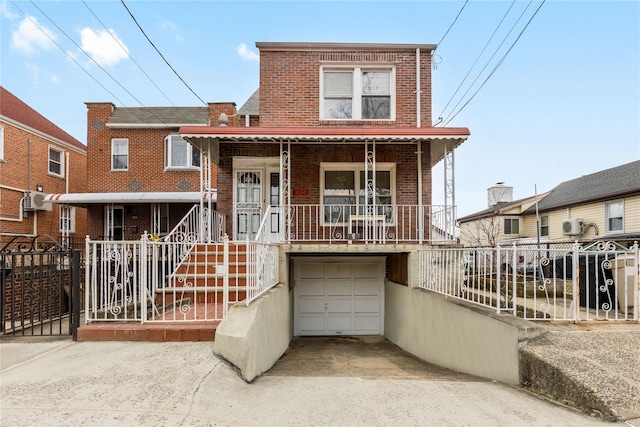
[40, 287]
[584, 282]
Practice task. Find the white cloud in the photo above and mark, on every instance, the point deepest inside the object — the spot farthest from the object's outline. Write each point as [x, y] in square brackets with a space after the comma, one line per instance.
[31, 37]
[6, 12]
[170, 26]
[246, 54]
[102, 47]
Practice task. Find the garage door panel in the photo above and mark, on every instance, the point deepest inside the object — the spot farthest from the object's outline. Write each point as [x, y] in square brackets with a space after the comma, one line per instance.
[312, 324]
[339, 287]
[366, 323]
[344, 305]
[340, 323]
[311, 306]
[312, 271]
[368, 287]
[313, 288]
[339, 271]
[366, 306]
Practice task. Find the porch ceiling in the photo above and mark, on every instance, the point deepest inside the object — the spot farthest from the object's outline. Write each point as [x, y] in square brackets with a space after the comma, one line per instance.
[440, 138]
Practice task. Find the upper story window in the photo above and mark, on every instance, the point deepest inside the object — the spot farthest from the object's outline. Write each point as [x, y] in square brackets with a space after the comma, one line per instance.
[178, 153]
[614, 212]
[544, 226]
[119, 154]
[56, 161]
[357, 93]
[512, 226]
[1, 142]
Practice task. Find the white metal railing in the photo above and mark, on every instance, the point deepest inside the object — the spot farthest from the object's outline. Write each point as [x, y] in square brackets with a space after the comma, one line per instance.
[368, 224]
[194, 226]
[262, 260]
[585, 282]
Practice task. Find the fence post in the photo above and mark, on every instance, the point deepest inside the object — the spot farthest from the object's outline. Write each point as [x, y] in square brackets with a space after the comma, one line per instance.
[514, 275]
[225, 280]
[498, 277]
[143, 285]
[75, 293]
[88, 272]
[576, 281]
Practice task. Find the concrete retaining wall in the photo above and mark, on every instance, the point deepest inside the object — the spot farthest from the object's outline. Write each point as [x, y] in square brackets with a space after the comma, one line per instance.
[253, 337]
[454, 334]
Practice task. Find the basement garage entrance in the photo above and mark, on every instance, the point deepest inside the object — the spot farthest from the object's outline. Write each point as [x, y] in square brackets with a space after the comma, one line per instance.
[339, 296]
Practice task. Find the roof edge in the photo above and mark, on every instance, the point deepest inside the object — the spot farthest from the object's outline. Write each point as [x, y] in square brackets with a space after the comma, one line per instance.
[341, 46]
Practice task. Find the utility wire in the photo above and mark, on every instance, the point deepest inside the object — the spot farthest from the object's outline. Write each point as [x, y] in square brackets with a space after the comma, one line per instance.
[499, 62]
[477, 59]
[159, 53]
[124, 49]
[450, 26]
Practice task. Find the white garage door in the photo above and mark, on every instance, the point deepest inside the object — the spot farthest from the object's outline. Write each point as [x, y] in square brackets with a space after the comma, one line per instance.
[339, 297]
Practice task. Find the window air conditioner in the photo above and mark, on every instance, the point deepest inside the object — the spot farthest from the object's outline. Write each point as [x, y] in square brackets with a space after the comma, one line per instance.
[572, 227]
[34, 201]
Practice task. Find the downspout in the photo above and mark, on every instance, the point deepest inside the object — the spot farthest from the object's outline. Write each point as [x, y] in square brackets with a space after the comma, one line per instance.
[419, 151]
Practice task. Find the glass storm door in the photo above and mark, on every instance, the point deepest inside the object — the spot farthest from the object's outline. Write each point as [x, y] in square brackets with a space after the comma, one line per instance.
[114, 224]
[275, 227]
[248, 203]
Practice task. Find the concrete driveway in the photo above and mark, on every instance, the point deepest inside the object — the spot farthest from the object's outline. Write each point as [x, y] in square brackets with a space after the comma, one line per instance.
[61, 383]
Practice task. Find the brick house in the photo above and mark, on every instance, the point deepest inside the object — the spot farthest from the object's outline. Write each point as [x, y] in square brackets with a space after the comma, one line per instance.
[38, 158]
[142, 176]
[336, 169]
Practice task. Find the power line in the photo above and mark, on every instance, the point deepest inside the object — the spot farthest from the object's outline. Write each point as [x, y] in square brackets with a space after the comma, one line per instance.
[477, 59]
[159, 53]
[451, 26]
[499, 62]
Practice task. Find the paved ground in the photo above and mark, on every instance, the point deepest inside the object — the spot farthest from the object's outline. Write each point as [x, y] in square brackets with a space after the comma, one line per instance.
[60, 383]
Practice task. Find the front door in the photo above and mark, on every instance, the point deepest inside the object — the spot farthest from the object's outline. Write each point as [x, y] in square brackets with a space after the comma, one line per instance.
[248, 203]
[114, 224]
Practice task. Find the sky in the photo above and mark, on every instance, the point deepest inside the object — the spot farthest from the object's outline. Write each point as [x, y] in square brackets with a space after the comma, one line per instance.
[550, 90]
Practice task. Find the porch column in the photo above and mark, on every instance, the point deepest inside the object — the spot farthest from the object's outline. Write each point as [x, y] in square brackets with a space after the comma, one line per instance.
[206, 211]
[449, 192]
[285, 196]
[369, 209]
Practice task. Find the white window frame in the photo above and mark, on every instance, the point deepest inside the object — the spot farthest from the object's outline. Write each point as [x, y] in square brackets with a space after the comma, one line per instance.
[356, 168]
[1, 142]
[356, 99]
[168, 143]
[504, 229]
[546, 227]
[51, 161]
[607, 216]
[68, 213]
[156, 219]
[115, 141]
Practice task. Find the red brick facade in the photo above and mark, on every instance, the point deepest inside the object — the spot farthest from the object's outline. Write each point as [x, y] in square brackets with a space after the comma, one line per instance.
[28, 137]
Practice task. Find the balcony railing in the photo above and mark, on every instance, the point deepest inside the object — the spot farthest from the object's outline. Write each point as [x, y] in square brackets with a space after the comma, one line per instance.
[364, 224]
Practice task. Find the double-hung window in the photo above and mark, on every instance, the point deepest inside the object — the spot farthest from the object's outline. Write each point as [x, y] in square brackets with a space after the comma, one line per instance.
[358, 93]
[56, 162]
[347, 190]
[119, 154]
[67, 219]
[544, 226]
[178, 153]
[512, 226]
[614, 216]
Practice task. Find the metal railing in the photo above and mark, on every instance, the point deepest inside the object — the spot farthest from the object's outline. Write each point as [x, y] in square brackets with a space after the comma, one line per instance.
[369, 224]
[262, 261]
[586, 282]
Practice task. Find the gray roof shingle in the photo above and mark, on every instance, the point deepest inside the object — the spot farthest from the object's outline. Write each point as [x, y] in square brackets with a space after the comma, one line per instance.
[606, 184]
[252, 106]
[160, 115]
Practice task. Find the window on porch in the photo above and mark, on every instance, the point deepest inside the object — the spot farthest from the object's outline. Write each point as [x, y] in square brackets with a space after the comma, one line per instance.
[346, 191]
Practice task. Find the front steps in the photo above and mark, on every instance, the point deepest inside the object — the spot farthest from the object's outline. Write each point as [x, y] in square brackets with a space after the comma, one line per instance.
[197, 284]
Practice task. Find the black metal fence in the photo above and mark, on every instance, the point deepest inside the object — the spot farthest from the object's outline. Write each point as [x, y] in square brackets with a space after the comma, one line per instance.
[40, 287]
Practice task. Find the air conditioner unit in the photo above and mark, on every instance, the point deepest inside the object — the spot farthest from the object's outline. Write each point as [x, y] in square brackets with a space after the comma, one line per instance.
[572, 227]
[34, 201]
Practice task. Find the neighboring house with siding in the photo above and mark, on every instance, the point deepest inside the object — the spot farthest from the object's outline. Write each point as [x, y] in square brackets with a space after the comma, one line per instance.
[38, 158]
[601, 205]
[143, 177]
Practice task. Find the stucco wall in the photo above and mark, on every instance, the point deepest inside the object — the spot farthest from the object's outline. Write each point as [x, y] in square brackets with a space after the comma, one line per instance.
[253, 337]
[454, 334]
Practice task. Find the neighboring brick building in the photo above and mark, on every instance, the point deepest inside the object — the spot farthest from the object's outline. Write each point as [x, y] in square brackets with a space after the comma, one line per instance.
[37, 158]
[142, 176]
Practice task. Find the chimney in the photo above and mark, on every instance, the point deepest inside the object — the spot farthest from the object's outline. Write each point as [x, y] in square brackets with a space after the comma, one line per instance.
[499, 193]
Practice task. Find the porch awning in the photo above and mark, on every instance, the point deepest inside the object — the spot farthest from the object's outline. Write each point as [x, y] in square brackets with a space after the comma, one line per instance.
[81, 199]
[440, 137]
